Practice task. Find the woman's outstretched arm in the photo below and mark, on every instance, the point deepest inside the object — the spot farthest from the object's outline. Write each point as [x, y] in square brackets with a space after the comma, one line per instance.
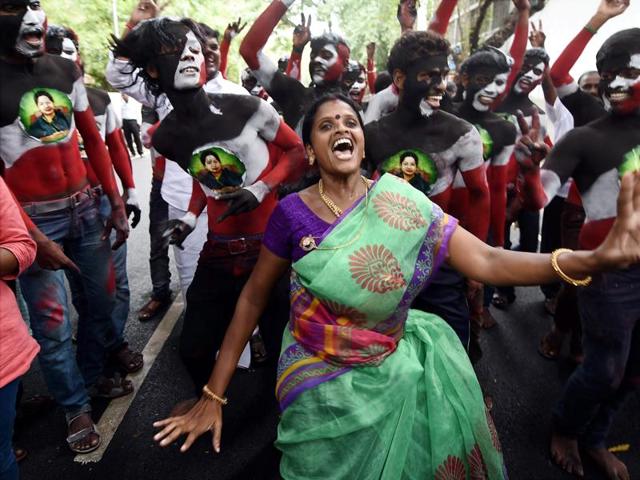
[478, 261]
[206, 414]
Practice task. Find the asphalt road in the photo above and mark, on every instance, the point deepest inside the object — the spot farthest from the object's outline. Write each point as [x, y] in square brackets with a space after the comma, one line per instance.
[524, 387]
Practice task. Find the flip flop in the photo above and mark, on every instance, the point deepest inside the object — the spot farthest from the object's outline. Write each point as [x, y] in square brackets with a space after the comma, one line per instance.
[110, 388]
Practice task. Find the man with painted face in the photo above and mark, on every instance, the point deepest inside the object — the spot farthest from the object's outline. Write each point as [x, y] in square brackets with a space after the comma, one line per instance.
[64, 42]
[536, 61]
[354, 81]
[247, 136]
[329, 58]
[49, 179]
[484, 81]
[596, 155]
[585, 106]
[176, 185]
[444, 144]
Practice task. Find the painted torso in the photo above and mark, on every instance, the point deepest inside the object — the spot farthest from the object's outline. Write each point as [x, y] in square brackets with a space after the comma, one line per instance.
[443, 143]
[38, 165]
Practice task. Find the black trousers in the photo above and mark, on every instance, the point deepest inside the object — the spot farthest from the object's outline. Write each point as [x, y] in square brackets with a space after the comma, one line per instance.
[131, 131]
[211, 302]
[551, 238]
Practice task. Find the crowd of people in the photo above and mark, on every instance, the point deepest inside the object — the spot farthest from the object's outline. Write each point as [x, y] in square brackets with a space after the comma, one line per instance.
[355, 230]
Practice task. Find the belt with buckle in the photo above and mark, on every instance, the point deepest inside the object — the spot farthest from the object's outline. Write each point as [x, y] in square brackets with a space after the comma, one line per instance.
[236, 246]
[50, 206]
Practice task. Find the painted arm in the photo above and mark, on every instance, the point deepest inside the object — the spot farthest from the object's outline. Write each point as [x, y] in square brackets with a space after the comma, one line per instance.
[478, 215]
[519, 45]
[497, 178]
[251, 48]
[100, 162]
[290, 164]
[372, 74]
[607, 10]
[232, 30]
[301, 36]
[224, 56]
[440, 21]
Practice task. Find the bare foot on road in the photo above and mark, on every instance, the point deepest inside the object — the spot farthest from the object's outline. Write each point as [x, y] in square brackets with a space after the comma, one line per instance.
[564, 452]
[610, 465]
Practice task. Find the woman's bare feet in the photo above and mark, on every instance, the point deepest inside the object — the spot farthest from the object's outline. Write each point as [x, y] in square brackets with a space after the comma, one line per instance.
[565, 453]
[610, 465]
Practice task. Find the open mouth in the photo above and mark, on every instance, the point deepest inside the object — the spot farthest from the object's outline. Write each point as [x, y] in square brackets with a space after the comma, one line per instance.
[33, 37]
[191, 70]
[343, 148]
[433, 100]
[617, 97]
[525, 83]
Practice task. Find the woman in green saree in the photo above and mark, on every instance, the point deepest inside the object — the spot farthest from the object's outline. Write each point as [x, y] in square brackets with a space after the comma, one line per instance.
[368, 387]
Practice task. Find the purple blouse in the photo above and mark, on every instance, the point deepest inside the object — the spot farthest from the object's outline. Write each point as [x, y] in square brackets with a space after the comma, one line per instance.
[291, 220]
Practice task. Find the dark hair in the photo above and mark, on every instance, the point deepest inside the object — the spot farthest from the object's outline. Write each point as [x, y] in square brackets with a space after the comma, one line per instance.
[536, 55]
[618, 48]
[42, 93]
[590, 72]
[142, 45]
[382, 81]
[414, 45]
[490, 58]
[409, 154]
[209, 32]
[332, 38]
[206, 153]
[307, 123]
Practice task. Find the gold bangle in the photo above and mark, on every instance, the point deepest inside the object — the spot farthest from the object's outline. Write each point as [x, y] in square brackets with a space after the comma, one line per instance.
[206, 391]
[564, 276]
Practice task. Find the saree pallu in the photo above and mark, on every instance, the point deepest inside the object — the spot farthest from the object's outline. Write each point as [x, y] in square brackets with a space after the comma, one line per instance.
[369, 388]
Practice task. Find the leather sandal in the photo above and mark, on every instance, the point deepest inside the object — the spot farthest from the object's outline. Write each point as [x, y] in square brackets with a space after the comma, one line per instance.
[502, 301]
[127, 360]
[114, 387]
[152, 308]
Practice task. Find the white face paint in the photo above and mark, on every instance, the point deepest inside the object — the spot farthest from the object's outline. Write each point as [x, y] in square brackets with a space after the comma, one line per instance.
[189, 72]
[30, 41]
[620, 90]
[358, 86]
[529, 80]
[483, 99]
[69, 50]
[323, 61]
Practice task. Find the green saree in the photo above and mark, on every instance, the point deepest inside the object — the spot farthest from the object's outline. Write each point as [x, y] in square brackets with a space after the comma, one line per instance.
[369, 388]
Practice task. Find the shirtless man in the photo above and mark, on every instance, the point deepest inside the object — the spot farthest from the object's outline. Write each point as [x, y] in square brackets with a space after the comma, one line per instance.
[596, 155]
[444, 145]
[58, 202]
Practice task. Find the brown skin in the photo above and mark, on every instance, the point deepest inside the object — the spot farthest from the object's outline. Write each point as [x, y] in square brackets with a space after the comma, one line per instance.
[467, 254]
[302, 33]
[589, 84]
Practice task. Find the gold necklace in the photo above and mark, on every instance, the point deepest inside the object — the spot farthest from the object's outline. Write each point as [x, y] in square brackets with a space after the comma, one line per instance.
[308, 242]
[331, 205]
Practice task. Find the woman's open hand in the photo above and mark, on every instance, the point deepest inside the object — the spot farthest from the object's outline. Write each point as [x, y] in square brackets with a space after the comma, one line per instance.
[621, 248]
[204, 416]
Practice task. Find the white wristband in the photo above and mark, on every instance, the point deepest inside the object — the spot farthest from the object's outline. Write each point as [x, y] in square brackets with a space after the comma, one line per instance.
[190, 220]
[259, 190]
[132, 197]
[287, 3]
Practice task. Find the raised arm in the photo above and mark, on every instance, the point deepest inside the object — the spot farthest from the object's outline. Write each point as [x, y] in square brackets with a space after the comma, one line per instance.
[301, 36]
[251, 48]
[232, 31]
[519, 45]
[440, 21]
[560, 75]
[372, 75]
